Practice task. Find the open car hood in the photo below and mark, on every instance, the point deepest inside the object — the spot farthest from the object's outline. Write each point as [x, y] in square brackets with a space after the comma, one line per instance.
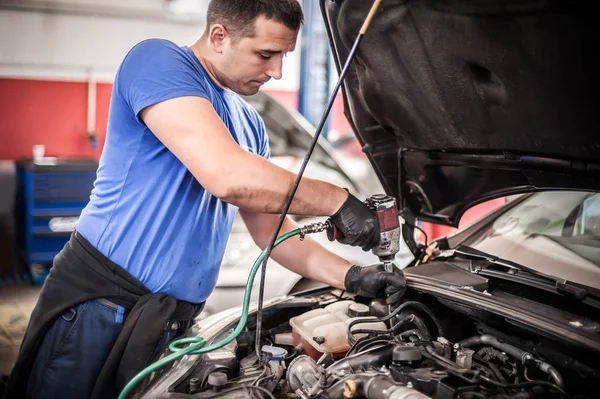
[459, 102]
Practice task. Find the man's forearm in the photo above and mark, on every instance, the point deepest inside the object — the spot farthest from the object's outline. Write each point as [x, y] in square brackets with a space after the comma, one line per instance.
[307, 258]
[260, 186]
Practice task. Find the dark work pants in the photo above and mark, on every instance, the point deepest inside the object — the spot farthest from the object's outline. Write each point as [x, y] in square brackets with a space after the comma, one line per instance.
[75, 349]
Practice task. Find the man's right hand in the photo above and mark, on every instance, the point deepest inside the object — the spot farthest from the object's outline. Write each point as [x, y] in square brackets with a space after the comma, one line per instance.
[357, 223]
[375, 282]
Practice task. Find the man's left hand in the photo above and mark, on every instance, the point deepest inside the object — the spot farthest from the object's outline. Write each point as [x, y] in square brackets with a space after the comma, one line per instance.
[375, 282]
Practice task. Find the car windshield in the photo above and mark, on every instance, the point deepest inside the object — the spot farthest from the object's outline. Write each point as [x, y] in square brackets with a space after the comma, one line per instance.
[556, 233]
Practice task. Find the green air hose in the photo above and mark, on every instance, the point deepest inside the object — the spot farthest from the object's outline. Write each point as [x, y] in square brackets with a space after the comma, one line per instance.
[197, 343]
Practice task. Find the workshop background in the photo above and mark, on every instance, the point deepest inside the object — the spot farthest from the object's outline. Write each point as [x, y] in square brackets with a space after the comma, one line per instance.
[58, 59]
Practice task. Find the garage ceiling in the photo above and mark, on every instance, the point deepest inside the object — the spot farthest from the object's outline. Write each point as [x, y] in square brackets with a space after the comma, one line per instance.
[192, 11]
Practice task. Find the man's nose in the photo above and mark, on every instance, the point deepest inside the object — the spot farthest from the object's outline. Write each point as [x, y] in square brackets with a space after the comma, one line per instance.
[275, 67]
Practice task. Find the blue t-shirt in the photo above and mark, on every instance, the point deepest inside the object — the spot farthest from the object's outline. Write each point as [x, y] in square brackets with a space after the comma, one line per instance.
[147, 213]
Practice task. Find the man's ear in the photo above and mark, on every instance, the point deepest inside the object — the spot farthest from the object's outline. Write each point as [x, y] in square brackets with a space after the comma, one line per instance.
[217, 37]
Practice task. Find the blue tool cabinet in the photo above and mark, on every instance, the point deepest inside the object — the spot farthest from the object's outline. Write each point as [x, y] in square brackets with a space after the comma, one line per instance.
[49, 200]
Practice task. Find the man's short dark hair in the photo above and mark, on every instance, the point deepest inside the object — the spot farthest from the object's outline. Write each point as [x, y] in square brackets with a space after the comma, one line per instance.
[238, 16]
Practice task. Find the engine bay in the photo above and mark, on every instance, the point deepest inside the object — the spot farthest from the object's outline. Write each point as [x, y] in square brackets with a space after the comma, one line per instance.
[331, 345]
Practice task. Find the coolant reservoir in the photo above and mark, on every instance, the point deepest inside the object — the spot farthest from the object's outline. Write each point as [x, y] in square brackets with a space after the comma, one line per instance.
[326, 330]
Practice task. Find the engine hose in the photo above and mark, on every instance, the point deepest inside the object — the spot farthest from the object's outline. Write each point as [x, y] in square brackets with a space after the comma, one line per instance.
[520, 354]
[428, 312]
[422, 327]
[417, 305]
[414, 332]
[196, 344]
[373, 358]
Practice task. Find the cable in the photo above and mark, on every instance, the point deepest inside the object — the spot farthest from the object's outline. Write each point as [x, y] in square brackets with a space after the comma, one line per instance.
[453, 368]
[414, 226]
[240, 388]
[491, 368]
[197, 343]
[261, 375]
[415, 304]
[363, 343]
[295, 352]
[288, 202]
[384, 318]
[260, 380]
[370, 345]
[408, 319]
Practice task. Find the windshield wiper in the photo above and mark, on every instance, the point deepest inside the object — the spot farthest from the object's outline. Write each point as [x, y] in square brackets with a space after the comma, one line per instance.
[517, 272]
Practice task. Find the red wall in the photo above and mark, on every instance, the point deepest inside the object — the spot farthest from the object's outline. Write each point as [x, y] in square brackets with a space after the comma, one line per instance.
[50, 113]
[103, 92]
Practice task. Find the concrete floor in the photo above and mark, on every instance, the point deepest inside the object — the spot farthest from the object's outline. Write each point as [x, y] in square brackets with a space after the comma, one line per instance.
[16, 305]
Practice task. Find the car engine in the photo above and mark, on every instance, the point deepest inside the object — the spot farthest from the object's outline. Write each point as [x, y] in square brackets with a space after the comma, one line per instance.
[331, 346]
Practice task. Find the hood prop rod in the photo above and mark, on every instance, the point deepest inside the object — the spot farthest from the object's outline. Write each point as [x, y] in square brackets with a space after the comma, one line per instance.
[351, 55]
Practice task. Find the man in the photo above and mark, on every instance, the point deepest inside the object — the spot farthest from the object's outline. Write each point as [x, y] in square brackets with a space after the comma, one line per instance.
[183, 153]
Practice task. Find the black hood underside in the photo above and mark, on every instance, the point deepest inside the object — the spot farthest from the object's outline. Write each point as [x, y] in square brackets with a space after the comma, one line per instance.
[458, 102]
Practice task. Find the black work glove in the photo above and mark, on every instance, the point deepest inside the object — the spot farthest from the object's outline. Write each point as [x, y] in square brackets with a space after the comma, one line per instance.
[374, 282]
[357, 223]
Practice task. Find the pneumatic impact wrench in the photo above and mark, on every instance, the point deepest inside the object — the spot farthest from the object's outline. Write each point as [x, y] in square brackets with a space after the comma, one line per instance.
[385, 207]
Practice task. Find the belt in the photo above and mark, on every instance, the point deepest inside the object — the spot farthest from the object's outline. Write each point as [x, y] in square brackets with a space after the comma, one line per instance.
[109, 304]
[180, 325]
